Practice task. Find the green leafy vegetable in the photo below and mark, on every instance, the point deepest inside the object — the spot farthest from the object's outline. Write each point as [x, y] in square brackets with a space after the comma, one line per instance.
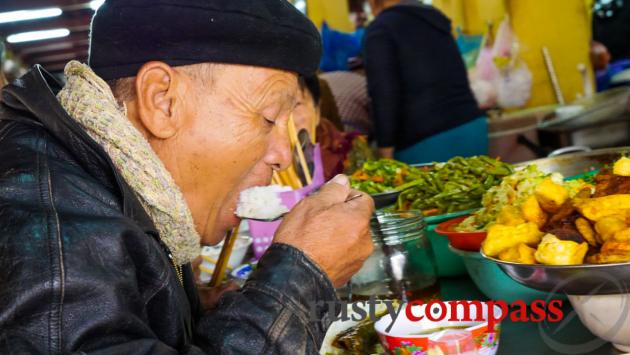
[456, 185]
[383, 175]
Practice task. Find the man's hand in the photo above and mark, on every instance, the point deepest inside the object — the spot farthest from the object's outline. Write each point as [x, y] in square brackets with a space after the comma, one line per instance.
[333, 233]
[209, 296]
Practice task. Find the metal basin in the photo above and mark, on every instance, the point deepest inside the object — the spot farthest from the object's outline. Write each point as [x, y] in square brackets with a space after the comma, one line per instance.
[584, 279]
[578, 163]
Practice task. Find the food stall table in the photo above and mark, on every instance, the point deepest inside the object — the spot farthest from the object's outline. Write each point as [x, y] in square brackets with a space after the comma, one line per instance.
[566, 337]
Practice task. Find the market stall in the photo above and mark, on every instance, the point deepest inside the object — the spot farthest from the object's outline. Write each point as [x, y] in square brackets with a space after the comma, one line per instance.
[527, 197]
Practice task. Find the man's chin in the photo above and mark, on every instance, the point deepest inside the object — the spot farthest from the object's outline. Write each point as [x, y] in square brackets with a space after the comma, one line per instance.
[218, 234]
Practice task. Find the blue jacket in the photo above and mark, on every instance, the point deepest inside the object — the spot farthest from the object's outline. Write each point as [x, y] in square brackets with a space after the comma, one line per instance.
[416, 77]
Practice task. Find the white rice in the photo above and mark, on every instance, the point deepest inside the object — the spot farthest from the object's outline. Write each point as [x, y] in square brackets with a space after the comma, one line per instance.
[261, 202]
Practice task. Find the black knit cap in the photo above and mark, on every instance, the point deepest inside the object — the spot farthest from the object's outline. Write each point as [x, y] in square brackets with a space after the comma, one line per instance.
[268, 33]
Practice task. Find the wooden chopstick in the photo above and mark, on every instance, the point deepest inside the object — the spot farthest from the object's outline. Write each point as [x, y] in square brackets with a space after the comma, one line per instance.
[275, 179]
[293, 137]
[219, 270]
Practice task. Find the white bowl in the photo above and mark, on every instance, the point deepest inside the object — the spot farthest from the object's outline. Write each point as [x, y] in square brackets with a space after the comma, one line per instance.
[210, 255]
[607, 316]
[403, 336]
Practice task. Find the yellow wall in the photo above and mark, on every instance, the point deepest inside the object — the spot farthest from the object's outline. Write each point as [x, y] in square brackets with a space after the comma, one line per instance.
[472, 16]
[335, 12]
[563, 26]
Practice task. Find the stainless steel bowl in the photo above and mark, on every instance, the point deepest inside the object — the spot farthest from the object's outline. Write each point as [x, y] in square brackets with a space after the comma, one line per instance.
[578, 163]
[583, 279]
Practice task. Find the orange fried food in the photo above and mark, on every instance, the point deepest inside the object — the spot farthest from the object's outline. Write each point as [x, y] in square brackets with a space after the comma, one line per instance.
[602, 258]
[607, 226]
[521, 253]
[611, 252]
[586, 230]
[614, 247]
[551, 195]
[533, 213]
[501, 237]
[553, 251]
[596, 208]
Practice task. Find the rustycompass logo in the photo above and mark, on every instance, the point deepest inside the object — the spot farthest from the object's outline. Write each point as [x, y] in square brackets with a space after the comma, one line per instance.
[437, 310]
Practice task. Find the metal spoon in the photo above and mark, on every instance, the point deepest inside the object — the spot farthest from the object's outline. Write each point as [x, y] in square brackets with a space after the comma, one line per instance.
[283, 214]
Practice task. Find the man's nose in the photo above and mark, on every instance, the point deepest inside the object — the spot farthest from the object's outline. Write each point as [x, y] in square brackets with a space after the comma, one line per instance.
[279, 154]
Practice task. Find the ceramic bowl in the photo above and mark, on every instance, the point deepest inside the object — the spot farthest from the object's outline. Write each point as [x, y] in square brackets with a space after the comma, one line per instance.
[470, 241]
[403, 337]
[607, 316]
[210, 255]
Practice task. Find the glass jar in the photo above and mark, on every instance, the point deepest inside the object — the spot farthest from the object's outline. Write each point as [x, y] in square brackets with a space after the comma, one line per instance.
[402, 265]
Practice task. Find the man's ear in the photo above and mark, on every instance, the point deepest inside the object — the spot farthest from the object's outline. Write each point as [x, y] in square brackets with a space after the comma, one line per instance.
[157, 104]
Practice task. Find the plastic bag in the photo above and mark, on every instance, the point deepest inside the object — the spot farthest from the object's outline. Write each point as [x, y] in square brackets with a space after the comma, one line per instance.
[501, 79]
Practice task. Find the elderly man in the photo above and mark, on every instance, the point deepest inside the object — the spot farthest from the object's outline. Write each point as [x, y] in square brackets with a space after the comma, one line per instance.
[108, 185]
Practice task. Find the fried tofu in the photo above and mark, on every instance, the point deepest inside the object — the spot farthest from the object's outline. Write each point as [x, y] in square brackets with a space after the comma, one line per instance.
[521, 253]
[596, 208]
[553, 251]
[551, 195]
[501, 237]
[533, 213]
[622, 236]
[510, 216]
[607, 226]
[622, 167]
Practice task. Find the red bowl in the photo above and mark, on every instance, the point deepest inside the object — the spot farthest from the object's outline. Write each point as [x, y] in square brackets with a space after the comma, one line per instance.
[470, 241]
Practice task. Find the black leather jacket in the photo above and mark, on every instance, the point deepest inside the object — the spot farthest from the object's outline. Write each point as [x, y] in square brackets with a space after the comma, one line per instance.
[83, 270]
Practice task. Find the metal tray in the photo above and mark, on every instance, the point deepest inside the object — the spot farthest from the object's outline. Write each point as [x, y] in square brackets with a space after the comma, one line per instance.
[583, 279]
[578, 163]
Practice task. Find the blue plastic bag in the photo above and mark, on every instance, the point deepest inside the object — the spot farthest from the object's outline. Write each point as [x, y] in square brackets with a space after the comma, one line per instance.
[338, 47]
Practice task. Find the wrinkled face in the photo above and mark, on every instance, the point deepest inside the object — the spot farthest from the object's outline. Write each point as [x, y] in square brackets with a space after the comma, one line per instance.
[230, 135]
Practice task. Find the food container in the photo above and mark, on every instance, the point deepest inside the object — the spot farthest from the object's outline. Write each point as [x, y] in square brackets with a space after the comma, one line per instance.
[596, 122]
[582, 279]
[578, 163]
[241, 273]
[448, 263]
[607, 316]
[402, 265]
[404, 337]
[494, 283]
[470, 241]
[452, 342]
[210, 255]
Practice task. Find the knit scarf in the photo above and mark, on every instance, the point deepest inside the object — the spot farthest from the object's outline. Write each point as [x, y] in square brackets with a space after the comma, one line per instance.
[89, 101]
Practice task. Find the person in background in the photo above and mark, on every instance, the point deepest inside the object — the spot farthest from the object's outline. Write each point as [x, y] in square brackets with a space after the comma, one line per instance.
[422, 105]
[327, 104]
[351, 96]
[334, 143]
[611, 27]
